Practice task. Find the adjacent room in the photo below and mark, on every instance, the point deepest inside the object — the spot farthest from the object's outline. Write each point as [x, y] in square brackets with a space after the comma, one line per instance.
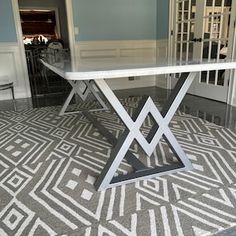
[118, 117]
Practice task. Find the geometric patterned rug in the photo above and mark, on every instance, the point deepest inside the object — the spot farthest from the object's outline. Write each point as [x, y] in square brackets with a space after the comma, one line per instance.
[48, 164]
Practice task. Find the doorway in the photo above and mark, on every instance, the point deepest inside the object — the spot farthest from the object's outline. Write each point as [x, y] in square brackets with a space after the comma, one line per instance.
[43, 22]
[202, 32]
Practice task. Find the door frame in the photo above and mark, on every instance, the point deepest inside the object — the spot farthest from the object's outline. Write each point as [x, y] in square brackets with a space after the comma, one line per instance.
[231, 96]
[19, 35]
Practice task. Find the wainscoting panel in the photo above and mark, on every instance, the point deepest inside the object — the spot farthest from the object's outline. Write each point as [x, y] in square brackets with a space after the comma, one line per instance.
[131, 51]
[162, 57]
[11, 65]
[126, 51]
[98, 53]
[234, 102]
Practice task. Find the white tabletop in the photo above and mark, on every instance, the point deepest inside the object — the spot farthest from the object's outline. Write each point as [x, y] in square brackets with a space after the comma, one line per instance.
[118, 69]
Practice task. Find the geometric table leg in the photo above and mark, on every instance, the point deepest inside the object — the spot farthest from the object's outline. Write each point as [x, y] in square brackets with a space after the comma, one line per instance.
[132, 132]
[83, 95]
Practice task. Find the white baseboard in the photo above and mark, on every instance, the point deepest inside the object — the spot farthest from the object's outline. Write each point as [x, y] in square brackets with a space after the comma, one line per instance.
[124, 83]
[234, 102]
[11, 65]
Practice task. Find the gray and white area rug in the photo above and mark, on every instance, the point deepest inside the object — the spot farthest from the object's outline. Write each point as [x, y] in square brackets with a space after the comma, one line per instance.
[48, 164]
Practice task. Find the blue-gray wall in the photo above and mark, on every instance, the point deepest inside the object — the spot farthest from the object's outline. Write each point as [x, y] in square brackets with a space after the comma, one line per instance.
[121, 19]
[162, 19]
[105, 20]
[7, 24]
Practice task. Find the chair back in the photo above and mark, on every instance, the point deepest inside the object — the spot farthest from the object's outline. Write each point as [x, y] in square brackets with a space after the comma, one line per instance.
[55, 44]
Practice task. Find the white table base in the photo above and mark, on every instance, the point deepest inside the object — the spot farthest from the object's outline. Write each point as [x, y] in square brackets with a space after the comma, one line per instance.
[83, 95]
[161, 128]
[132, 132]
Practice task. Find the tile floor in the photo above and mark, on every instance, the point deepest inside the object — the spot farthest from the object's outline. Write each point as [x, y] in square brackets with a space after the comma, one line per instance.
[217, 112]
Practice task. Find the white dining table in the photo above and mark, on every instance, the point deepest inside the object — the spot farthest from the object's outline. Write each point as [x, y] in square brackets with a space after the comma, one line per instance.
[99, 73]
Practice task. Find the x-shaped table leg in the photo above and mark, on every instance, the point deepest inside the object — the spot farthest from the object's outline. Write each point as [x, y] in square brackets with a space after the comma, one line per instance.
[132, 132]
[83, 95]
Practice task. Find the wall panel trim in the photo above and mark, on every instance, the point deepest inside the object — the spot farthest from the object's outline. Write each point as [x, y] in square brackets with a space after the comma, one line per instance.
[130, 51]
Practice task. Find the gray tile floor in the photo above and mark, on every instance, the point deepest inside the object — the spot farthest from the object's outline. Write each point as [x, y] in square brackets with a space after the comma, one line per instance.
[216, 112]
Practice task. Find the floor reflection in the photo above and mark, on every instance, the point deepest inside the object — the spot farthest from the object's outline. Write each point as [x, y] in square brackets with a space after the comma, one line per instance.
[212, 111]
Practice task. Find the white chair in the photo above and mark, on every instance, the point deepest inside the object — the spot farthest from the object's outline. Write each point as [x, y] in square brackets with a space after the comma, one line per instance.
[6, 83]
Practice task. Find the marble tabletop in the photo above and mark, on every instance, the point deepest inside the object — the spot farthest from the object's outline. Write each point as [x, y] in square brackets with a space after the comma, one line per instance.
[97, 69]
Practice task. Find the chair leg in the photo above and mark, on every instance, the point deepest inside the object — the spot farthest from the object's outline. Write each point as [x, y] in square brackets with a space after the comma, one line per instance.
[13, 98]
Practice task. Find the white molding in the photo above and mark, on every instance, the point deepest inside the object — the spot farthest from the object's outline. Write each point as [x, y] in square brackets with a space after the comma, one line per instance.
[11, 66]
[170, 39]
[23, 89]
[234, 102]
[231, 98]
[171, 28]
[232, 89]
[8, 45]
[162, 51]
[116, 49]
[162, 55]
[15, 65]
[125, 50]
[70, 26]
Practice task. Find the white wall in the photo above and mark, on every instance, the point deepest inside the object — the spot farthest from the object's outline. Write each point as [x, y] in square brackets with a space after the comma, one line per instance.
[11, 65]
